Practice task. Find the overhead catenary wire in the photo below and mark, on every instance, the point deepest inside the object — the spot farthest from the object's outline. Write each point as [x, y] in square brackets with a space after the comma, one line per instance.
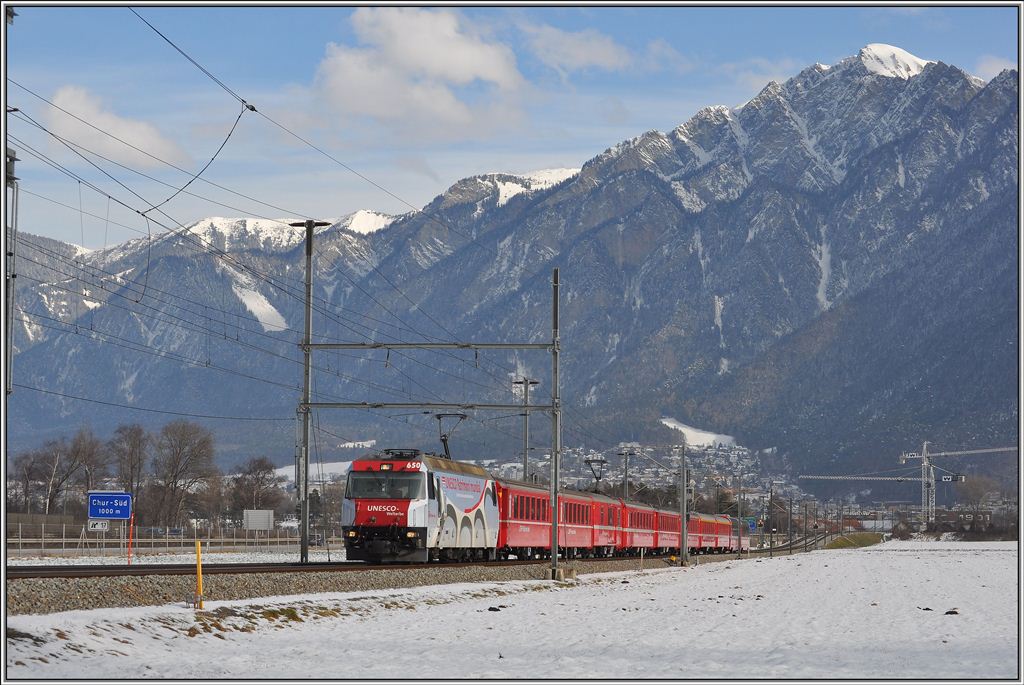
[188, 237]
[199, 329]
[197, 64]
[444, 224]
[343, 376]
[372, 266]
[415, 305]
[290, 212]
[205, 166]
[148, 409]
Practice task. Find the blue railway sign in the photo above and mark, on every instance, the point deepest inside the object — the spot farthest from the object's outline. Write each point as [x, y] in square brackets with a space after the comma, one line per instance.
[110, 505]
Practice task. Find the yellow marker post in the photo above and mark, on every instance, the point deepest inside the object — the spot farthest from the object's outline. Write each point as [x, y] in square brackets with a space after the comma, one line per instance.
[199, 574]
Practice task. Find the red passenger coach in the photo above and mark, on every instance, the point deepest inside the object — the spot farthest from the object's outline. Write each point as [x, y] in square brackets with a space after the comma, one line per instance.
[639, 526]
[710, 533]
[669, 531]
[606, 515]
[524, 512]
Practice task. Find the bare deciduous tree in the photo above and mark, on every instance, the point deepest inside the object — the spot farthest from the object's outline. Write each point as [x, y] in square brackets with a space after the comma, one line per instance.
[87, 451]
[129, 450]
[26, 469]
[256, 486]
[57, 469]
[183, 456]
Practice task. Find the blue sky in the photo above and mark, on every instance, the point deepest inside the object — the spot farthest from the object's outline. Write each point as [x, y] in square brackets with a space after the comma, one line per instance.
[413, 98]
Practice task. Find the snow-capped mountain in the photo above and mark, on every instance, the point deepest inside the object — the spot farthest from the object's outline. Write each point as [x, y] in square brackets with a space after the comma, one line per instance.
[830, 268]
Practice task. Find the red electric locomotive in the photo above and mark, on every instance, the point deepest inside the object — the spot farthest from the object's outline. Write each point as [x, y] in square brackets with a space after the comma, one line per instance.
[405, 505]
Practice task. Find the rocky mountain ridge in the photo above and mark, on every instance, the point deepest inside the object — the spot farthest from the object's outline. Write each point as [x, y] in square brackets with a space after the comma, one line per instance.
[823, 269]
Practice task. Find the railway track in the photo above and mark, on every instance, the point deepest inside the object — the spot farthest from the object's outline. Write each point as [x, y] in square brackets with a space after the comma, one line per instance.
[115, 570]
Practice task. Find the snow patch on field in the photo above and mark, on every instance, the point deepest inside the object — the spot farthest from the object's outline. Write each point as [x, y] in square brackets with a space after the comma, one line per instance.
[945, 610]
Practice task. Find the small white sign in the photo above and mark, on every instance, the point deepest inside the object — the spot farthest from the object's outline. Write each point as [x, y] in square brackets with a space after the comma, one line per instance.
[258, 519]
[97, 526]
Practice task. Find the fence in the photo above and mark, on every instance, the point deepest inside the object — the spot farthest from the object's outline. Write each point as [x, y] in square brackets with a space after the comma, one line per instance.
[29, 539]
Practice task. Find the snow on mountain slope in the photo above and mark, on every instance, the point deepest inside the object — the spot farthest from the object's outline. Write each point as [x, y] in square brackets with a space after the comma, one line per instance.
[366, 221]
[247, 234]
[245, 290]
[696, 436]
[510, 185]
[889, 60]
[545, 178]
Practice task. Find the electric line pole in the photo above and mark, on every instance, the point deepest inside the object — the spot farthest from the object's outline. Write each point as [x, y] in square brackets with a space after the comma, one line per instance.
[739, 521]
[626, 454]
[684, 542]
[555, 407]
[789, 526]
[526, 383]
[556, 426]
[302, 477]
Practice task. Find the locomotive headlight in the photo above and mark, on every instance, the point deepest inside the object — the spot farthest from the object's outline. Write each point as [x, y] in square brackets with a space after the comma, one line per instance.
[411, 534]
[385, 467]
[352, 533]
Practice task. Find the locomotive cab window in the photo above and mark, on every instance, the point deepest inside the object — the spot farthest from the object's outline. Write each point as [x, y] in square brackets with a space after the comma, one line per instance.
[385, 485]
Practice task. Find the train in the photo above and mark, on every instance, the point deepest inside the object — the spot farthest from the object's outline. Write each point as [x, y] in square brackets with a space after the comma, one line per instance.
[404, 505]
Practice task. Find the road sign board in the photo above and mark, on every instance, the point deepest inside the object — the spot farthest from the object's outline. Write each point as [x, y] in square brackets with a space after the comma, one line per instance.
[110, 505]
[258, 519]
[96, 525]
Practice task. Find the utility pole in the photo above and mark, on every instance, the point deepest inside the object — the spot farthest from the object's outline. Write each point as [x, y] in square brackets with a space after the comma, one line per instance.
[789, 526]
[555, 407]
[805, 525]
[625, 454]
[302, 478]
[684, 542]
[12, 240]
[526, 383]
[739, 521]
[771, 535]
[556, 425]
[10, 181]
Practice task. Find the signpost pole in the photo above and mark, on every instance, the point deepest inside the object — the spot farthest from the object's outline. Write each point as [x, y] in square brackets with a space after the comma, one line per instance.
[131, 526]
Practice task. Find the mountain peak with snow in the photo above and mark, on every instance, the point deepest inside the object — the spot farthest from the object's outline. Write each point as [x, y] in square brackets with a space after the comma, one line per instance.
[366, 221]
[243, 233]
[889, 60]
[510, 185]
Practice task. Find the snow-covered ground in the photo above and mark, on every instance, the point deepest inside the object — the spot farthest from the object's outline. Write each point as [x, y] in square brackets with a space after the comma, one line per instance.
[899, 610]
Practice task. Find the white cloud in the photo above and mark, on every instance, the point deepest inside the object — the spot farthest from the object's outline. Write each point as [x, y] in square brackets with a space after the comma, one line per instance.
[660, 55]
[989, 66]
[409, 67]
[435, 44]
[569, 51]
[755, 73]
[89, 107]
